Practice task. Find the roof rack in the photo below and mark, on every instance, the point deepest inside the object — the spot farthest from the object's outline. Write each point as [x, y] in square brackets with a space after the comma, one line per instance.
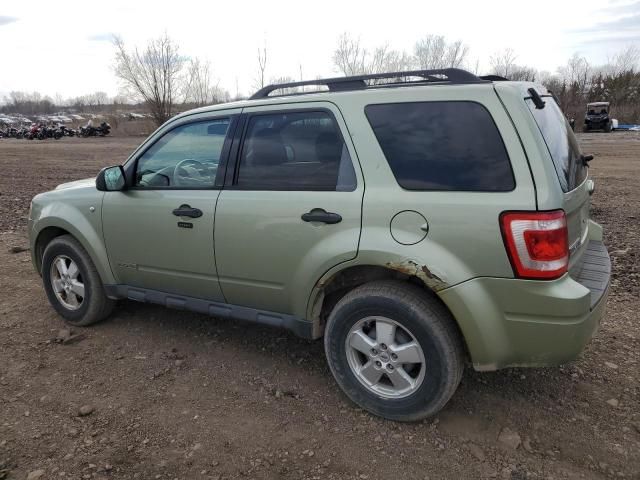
[494, 78]
[359, 82]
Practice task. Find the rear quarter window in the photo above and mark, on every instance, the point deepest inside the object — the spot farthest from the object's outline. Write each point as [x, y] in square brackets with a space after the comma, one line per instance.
[442, 146]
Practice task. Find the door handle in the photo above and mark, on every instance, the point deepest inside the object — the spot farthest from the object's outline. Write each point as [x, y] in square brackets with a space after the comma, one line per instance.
[186, 211]
[321, 215]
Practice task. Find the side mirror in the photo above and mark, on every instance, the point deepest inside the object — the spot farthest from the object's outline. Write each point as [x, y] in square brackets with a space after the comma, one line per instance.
[111, 179]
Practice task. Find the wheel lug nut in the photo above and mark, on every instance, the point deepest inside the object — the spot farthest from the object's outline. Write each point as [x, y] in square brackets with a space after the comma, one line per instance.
[389, 367]
[383, 346]
[378, 363]
[374, 351]
[394, 356]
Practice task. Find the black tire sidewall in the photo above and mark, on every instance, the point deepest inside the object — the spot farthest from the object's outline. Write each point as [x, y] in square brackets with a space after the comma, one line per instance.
[414, 406]
[56, 248]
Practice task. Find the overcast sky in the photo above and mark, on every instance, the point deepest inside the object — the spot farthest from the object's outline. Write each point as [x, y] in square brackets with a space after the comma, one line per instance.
[65, 48]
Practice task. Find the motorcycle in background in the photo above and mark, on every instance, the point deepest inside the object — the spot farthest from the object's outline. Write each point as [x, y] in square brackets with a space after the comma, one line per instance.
[90, 131]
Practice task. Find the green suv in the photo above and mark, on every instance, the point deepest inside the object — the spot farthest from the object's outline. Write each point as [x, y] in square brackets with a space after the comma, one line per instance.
[417, 221]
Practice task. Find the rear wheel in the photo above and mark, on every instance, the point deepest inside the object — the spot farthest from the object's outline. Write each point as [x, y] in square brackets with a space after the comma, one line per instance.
[72, 283]
[394, 350]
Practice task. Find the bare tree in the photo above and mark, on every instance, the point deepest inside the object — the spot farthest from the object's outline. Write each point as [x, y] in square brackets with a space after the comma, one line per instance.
[27, 103]
[58, 100]
[96, 100]
[523, 73]
[618, 81]
[628, 59]
[262, 65]
[456, 54]
[434, 52]
[476, 67]
[349, 58]
[199, 86]
[576, 73]
[284, 79]
[430, 52]
[503, 63]
[152, 75]
[385, 59]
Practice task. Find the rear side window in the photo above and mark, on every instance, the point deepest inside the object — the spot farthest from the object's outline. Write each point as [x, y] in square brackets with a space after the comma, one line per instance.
[561, 142]
[295, 151]
[453, 146]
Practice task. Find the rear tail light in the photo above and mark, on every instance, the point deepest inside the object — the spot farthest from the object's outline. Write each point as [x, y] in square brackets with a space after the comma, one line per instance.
[537, 243]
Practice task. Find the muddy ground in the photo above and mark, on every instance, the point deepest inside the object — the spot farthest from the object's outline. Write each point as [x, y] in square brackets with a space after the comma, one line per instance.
[180, 395]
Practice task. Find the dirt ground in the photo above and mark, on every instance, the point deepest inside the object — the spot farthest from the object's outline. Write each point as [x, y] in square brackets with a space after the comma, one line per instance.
[179, 395]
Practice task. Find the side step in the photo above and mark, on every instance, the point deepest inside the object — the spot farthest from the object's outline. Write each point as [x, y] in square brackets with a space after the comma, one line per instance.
[300, 327]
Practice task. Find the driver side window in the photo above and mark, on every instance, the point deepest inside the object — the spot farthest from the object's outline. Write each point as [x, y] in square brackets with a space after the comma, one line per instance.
[185, 157]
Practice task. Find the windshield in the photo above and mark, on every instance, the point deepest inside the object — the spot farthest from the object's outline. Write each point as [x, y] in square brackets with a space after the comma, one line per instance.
[561, 143]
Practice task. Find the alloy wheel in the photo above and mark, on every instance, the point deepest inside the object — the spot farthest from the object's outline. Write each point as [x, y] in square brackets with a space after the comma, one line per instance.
[385, 357]
[67, 282]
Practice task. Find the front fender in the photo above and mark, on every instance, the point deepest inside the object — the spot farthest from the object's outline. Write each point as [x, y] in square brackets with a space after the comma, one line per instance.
[83, 224]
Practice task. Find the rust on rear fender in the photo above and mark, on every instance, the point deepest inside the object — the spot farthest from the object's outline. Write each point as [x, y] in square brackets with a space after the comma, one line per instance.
[409, 267]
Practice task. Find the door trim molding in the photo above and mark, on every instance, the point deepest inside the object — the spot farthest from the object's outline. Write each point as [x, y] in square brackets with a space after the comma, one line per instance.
[299, 326]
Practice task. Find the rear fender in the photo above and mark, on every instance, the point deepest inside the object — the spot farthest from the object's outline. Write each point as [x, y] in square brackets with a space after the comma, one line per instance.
[434, 267]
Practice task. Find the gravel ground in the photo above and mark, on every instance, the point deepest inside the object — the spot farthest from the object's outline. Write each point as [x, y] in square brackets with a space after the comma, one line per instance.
[161, 394]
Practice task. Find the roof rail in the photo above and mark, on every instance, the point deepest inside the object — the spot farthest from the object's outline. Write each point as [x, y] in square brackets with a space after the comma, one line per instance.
[494, 78]
[358, 82]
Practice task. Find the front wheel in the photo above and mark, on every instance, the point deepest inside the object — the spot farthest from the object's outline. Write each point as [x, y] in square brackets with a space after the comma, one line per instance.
[73, 284]
[394, 350]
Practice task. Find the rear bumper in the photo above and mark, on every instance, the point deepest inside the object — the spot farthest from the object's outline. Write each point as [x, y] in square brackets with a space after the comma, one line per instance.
[518, 323]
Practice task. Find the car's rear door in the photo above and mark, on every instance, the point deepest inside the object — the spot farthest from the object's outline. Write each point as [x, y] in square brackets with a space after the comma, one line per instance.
[291, 207]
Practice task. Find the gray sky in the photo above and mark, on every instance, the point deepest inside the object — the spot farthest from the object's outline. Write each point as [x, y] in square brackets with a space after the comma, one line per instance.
[66, 48]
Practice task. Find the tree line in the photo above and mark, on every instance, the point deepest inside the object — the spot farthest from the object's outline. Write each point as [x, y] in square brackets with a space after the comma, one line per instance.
[165, 81]
[574, 84]
[34, 103]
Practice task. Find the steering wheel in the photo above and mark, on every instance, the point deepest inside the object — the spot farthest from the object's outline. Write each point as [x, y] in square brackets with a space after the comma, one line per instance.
[184, 163]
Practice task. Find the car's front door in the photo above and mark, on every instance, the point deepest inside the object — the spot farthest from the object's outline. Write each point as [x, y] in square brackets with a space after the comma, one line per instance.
[291, 210]
[159, 231]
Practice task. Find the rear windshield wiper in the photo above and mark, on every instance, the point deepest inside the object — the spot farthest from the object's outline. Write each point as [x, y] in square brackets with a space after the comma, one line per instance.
[537, 99]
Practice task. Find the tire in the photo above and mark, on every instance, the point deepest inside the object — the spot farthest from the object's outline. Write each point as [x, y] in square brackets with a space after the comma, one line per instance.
[427, 323]
[607, 127]
[94, 306]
